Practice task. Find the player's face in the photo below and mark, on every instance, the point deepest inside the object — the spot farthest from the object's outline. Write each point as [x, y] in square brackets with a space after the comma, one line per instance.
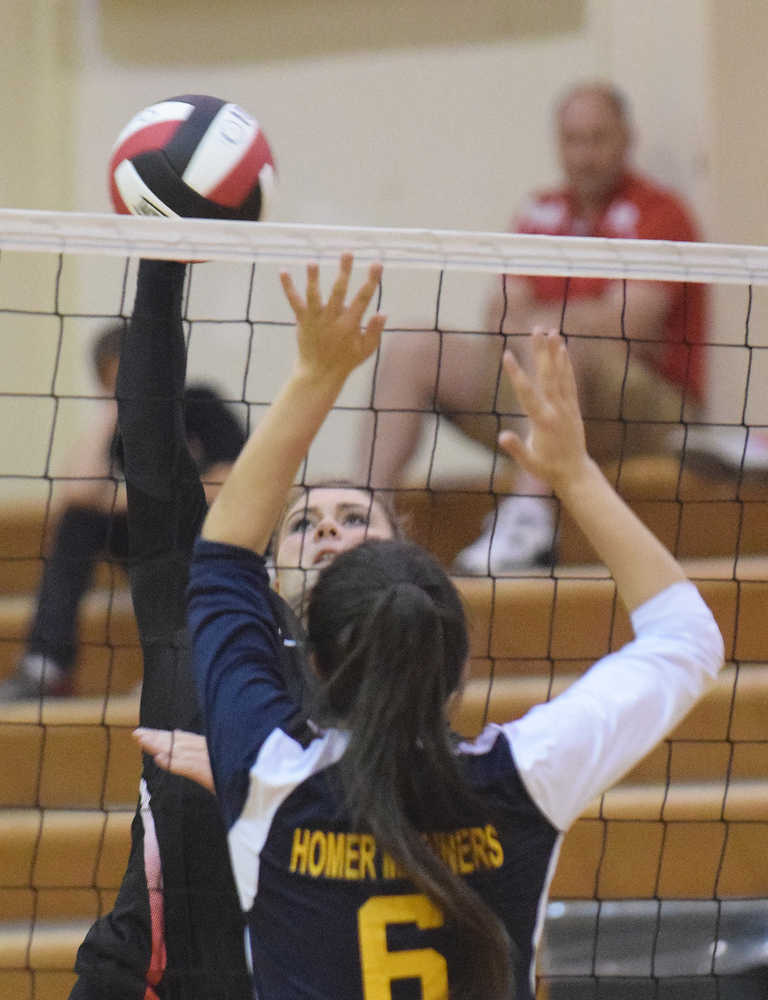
[321, 524]
[594, 141]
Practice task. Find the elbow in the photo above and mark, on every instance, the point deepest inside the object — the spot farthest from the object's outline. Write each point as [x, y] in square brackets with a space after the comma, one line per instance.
[703, 635]
[709, 647]
[716, 648]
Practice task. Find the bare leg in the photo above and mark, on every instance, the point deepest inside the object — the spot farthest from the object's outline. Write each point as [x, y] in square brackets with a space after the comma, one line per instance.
[428, 371]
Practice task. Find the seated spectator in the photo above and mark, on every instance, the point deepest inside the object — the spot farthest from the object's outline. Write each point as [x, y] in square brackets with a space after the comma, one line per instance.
[632, 344]
[88, 521]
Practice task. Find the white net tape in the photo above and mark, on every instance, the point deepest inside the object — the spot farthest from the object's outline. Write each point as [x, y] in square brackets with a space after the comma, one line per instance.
[493, 253]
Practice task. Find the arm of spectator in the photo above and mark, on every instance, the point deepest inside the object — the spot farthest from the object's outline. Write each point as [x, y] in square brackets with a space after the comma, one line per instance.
[640, 312]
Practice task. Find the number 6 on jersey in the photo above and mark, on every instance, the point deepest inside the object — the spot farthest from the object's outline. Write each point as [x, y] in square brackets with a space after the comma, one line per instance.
[380, 966]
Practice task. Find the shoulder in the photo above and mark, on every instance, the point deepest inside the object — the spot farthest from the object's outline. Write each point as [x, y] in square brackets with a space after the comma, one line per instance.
[489, 756]
[662, 208]
[258, 798]
[492, 769]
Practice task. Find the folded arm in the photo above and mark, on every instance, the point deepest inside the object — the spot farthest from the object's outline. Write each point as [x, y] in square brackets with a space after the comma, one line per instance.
[636, 310]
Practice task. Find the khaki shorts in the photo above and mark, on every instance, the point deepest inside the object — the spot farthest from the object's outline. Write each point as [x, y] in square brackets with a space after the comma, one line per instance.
[627, 404]
[628, 407]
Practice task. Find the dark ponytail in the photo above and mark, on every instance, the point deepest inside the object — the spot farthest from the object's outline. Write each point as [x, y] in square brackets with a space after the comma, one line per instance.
[388, 632]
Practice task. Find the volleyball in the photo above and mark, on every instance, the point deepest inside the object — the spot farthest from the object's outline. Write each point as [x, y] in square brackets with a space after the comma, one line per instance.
[192, 156]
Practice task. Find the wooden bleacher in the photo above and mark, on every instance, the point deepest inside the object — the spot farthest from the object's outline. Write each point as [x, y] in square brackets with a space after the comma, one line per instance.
[690, 821]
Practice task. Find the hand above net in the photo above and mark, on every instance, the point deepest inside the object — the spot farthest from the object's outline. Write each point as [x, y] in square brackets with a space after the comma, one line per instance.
[329, 334]
[554, 448]
[331, 343]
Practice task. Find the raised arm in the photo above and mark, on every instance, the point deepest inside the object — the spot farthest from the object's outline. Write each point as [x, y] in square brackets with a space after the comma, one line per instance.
[619, 709]
[331, 344]
[166, 502]
[150, 385]
[555, 452]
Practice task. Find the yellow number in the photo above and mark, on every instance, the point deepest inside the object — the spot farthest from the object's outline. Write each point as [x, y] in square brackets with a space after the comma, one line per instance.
[380, 966]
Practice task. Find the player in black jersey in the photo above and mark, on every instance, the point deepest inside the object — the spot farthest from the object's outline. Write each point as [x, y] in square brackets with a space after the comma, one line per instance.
[176, 931]
[373, 858]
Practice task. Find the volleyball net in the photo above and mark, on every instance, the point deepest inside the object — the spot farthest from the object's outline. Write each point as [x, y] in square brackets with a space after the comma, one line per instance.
[661, 886]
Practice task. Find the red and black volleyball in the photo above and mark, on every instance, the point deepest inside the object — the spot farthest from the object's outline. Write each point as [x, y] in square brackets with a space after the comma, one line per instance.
[192, 156]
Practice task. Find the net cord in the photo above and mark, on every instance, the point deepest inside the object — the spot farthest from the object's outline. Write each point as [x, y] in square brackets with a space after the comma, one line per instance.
[493, 253]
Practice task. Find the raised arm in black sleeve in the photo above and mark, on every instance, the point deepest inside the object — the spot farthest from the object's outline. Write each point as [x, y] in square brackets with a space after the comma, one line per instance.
[188, 944]
[166, 503]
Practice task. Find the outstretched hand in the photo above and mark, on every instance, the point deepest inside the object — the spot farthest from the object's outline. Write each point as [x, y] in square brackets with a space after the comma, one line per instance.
[554, 449]
[331, 339]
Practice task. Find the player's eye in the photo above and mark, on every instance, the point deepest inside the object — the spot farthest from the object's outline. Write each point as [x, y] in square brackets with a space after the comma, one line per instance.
[300, 524]
[356, 518]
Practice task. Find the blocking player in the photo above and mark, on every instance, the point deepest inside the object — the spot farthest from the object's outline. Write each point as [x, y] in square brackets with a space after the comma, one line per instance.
[372, 854]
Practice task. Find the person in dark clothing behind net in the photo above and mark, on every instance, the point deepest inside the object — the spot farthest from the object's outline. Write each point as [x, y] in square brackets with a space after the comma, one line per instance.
[176, 931]
[90, 522]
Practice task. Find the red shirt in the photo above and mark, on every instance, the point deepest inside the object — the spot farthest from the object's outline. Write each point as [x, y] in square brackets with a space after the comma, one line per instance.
[641, 210]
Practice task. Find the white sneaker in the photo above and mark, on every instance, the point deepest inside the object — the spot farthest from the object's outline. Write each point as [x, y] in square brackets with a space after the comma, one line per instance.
[519, 536]
[36, 676]
[728, 448]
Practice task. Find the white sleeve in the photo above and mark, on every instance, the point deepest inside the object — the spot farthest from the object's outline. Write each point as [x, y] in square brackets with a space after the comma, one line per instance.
[571, 749]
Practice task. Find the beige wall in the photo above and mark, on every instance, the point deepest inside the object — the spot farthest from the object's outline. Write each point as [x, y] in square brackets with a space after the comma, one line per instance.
[739, 153]
[412, 114]
[739, 106]
[660, 53]
[396, 114]
[38, 107]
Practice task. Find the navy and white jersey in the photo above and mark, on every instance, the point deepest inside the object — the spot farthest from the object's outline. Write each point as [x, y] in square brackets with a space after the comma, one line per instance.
[330, 914]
